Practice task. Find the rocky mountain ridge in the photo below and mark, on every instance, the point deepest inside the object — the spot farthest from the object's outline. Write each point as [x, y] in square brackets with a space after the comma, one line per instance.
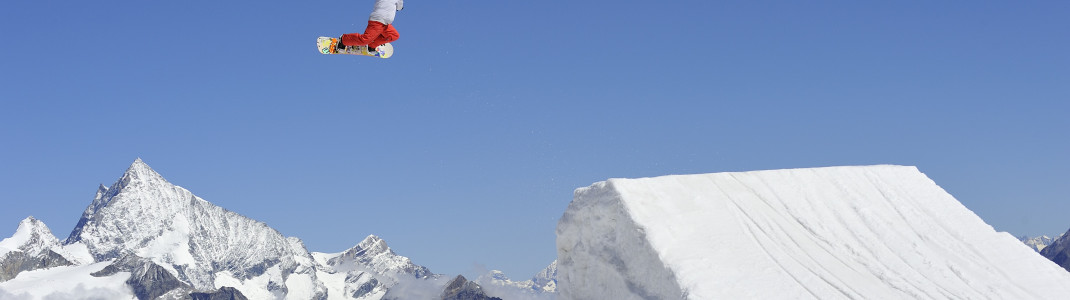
[164, 242]
[1059, 251]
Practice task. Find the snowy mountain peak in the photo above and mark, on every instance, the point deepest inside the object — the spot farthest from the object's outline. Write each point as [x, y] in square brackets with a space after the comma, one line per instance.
[138, 172]
[372, 245]
[1037, 243]
[139, 164]
[32, 237]
[139, 176]
[30, 223]
[372, 254]
[31, 247]
[198, 242]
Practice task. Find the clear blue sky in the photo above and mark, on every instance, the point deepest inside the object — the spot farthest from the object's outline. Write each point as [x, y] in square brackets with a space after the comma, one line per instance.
[464, 148]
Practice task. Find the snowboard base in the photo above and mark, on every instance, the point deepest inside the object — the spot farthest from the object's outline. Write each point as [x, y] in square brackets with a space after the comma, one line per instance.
[329, 45]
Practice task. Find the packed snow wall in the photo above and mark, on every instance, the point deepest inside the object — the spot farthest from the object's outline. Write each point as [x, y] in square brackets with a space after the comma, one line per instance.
[884, 232]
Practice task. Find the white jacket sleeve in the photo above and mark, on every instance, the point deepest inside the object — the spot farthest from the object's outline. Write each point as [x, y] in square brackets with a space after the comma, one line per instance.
[401, 4]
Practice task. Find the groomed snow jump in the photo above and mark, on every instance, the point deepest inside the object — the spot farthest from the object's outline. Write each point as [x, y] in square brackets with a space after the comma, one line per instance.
[875, 232]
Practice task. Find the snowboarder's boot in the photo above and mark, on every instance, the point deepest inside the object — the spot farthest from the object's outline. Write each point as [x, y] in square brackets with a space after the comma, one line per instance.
[372, 51]
[339, 48]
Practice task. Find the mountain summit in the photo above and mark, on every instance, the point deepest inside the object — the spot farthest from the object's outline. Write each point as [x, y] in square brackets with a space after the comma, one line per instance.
[31, 247]
[32, 237]
[374, 255]
[203, 244]
[138, 176]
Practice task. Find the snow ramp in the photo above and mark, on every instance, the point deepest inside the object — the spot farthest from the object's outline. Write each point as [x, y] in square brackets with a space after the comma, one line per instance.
[871, 232]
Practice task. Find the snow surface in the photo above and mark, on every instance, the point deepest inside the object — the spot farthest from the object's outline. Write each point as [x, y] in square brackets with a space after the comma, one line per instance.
[76, 253]
[829, 233]
[70, 282]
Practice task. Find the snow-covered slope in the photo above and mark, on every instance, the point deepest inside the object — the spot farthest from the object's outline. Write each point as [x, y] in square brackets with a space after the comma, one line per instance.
[200, 243]
[67, 282]
[830, 233]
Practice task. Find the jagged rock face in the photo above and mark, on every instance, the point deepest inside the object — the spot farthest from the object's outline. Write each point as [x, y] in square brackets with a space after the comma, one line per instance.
[31, 247]
[361, 284]
[147, 279]
[14, 263]
[1059, 251]
[461, 289]
[153, 281]
[188, 236]
[224, 293]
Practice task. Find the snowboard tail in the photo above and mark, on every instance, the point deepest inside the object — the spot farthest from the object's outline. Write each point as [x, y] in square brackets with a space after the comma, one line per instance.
[329, 45]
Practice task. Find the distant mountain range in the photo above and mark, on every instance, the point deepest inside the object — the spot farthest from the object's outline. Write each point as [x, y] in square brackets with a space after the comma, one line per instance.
[146, 238]
[1037, 243]
[542, 286]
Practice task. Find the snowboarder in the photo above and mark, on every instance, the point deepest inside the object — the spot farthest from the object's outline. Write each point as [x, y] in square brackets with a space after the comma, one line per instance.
[379, 30]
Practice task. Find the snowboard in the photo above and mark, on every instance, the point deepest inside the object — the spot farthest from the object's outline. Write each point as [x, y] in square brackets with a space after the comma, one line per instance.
[327, 45]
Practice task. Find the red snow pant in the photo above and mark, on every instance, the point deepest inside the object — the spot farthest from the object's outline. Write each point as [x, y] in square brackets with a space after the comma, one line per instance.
[376, 34]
